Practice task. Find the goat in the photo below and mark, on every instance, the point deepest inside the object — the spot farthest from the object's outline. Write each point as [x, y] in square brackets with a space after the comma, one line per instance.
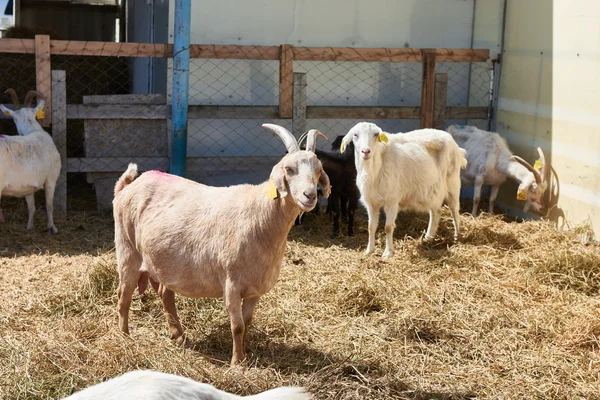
[344, 193]
[30, 160]
[152, 385]
[413, 171]
[203, 241]
[491, 162]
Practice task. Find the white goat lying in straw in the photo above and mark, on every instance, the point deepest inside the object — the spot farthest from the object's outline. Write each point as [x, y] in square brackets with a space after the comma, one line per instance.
[203, 241]
[491, 162]
[29, 161]
[151, 385]
[417, 171]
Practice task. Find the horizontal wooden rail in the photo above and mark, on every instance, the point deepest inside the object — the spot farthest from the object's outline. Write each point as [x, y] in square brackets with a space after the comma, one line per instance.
[85, 111]
[205, 165]
[112, 49]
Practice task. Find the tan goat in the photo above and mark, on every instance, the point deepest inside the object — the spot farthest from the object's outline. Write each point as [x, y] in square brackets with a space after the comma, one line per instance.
[203, 241]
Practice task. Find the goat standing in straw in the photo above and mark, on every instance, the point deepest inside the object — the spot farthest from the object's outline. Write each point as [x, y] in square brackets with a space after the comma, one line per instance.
[30, 161]
[203, 241]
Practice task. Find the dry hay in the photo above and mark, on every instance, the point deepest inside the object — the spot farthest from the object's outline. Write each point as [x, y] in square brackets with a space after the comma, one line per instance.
[510, 312]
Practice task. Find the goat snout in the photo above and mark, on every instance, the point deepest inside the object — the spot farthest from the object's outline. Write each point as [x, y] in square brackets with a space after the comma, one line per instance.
[311, 196]
[366, 153]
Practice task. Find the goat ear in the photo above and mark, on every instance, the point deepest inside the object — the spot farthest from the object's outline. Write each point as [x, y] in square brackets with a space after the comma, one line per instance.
[324, 182]
[7, 111]
[278, 179]
[345, 141]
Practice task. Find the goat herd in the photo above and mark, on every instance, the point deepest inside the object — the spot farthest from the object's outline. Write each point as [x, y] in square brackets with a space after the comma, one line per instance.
[183, 237]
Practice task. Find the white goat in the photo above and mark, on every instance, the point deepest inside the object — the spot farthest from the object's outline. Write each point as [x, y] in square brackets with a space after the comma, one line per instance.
[491, 162]
[203, 241]
[152, 385]
[413, 171]
[30, 161]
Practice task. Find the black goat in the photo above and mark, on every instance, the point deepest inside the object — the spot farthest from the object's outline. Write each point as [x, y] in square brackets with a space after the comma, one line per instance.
[342, 175]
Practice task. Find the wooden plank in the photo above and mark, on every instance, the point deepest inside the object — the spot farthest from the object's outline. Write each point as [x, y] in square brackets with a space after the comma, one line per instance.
[361, 112]
[116, 164]
[108, 111]
[286, 80]
[82, 48]
[386, 54]
[154, 98]
[467, 112]
[299, 104]
[23, 46]
[68, 47]
[235, 52]
[59, 135]
[427, 88]
[440, 100]
[43, 74]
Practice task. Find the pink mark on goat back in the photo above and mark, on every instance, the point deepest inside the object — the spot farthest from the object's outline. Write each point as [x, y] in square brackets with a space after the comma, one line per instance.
[1, 136]
[161, 174]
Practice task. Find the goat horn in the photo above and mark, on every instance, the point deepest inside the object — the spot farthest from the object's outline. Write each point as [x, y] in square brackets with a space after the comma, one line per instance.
[543, 160]
[311, 139]
[13, 96]
[288, 139]
[29, 97]
[535, 173]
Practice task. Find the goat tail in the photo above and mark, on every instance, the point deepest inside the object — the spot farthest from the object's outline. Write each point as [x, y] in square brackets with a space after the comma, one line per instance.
[127, 177]
[463, 158]
[281, 393]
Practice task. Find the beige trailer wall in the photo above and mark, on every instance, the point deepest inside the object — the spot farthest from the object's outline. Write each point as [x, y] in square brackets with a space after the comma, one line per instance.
[550, 97]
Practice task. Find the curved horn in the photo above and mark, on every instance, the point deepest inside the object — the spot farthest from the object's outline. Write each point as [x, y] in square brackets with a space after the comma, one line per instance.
[535, 173]
[29, 97]
[311, 139]
[13, 96]
[288, 139]
[543, 160]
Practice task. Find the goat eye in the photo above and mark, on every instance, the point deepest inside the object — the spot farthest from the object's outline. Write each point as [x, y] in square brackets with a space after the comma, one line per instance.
[289, 170]
[355, 135]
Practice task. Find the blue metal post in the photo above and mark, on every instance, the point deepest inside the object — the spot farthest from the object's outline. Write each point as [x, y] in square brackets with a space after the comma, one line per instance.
[181, 72]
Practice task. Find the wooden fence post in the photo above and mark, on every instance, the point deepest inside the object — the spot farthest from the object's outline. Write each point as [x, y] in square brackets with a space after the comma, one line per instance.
[427, 88]
[43, 76]
[441, 97]
[299, 104]
[59, 135]
[286, 69]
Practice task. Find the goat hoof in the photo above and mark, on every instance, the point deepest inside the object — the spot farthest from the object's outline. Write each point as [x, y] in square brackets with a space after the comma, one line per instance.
[29, 228]
[52, 230]
[369, 251]
[387, 254]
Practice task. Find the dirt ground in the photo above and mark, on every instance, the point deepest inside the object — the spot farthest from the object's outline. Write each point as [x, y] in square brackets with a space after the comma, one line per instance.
[512, 311]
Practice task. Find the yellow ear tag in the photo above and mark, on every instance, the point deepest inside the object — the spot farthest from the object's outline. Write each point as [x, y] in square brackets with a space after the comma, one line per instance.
[383, 138]
[7, 113]
[521, 195]
[40, 114]
[537, 164]
[272, 191]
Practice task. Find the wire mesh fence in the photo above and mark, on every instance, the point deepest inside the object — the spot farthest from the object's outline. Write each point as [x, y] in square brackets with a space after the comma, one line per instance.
[113, 119]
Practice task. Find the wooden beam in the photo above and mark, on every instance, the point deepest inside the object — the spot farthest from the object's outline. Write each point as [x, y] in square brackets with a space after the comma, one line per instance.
[82, 48]
[387, 54]
[299, 99]
[440, 100]
[112, 111]
[427, 88]
[116, 164]
[361, 112]
[59, 135]
[113, 49]
[43, 74]
[467, 113]
[235, 52]
[286, 80]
